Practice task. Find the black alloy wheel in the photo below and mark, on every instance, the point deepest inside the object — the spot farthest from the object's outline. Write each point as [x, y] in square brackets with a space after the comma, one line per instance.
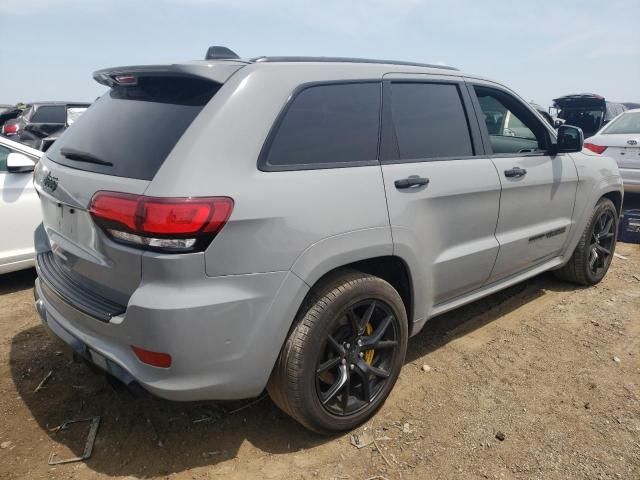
[602, 242]
[343, 354]
[593, 254]
[357, 357]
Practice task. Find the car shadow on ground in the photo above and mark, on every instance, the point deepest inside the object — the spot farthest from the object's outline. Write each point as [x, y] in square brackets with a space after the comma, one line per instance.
[441, 330]
[17, 281]
[145, 436]
[631, 201]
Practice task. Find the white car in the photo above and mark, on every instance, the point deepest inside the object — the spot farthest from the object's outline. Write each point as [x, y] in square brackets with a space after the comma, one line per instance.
[620, 140]
[19, 205]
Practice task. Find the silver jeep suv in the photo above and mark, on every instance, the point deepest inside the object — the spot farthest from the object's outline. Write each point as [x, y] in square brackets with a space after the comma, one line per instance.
[216, 227]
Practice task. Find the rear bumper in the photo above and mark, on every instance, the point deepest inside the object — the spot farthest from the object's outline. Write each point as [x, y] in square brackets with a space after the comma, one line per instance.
[631, 179]
[223, 333]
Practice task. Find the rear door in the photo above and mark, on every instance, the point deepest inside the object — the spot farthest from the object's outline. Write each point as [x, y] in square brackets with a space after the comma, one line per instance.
[443, 193]
[538, 190]
[117, 145]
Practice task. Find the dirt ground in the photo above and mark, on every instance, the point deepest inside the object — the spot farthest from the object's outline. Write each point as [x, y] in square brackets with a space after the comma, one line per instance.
[553, 367]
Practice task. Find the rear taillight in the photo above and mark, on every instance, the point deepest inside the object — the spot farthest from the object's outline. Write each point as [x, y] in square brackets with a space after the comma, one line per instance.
[594, 148]
[10, 129]
[165, 224]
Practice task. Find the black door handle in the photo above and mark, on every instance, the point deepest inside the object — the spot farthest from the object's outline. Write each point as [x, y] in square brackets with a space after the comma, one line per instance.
[515, 172]
[411, 182]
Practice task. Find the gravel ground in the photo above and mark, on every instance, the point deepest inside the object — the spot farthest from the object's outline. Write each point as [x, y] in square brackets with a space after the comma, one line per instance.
[539, 381]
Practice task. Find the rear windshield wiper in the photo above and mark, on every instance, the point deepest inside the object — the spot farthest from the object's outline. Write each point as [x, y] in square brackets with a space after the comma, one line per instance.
[80, 156]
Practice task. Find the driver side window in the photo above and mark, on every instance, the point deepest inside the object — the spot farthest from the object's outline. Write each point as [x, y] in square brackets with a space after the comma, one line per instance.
[512, 128]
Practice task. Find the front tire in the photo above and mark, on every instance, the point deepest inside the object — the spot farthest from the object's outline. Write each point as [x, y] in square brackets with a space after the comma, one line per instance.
[593, 254]
[344, 354]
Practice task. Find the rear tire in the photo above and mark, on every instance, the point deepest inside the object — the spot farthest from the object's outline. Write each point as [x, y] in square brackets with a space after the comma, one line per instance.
[325, 377]
[593, 254]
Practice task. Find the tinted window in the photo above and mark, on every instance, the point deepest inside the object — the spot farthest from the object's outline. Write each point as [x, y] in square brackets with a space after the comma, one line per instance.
[50, 114]
[4, 153]
[135, 127]
[429, 121]
[512, 128]
[328, 124]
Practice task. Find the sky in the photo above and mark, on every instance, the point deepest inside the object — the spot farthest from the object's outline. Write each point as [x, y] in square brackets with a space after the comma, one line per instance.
[542, 49]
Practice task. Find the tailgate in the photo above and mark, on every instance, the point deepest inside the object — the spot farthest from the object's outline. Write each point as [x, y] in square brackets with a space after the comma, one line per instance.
[81, 251]
[116, 146]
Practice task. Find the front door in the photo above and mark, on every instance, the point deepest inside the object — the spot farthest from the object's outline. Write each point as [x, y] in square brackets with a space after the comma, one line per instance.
[538, 190]
[443, 193]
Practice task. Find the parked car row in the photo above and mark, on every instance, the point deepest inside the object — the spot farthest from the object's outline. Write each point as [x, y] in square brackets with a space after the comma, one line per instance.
[588, 111]
[39, 124]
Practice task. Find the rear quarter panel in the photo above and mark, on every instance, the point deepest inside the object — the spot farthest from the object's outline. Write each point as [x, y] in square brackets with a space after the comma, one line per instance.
[278, 216]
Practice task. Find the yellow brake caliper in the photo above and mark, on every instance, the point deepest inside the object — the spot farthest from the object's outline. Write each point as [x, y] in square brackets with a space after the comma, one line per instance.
[368, 355]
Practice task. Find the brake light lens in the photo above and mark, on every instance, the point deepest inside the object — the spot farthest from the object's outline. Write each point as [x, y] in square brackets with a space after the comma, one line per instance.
[126, 79]
[594, 148]
[10, 129]
[155, 359]
[164, 224]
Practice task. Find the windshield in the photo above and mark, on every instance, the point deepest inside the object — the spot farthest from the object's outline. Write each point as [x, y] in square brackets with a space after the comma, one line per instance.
[626, 123]
[130, 131]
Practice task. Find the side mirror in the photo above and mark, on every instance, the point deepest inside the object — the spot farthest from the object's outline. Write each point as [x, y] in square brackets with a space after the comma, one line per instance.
[570, 139]
[19, 163]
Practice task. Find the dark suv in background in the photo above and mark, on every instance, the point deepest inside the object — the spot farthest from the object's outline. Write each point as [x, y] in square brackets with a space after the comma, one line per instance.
[42, 122]
[588, 111]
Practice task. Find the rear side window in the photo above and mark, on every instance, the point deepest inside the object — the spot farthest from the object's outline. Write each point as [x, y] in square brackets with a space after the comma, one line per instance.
[132, 129]
[50, 114]
[327, 125]
[429, 121]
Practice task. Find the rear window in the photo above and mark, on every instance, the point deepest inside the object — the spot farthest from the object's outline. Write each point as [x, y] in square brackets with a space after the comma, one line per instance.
[588, 119]
[134, 128]
[50, 114]
[430, 121]
[627, 123]
[328, 125]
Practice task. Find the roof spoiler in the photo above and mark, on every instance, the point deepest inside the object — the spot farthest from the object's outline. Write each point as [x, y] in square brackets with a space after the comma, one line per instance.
[115, 76]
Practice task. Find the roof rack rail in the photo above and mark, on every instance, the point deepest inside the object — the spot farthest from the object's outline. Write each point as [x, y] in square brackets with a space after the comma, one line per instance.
[346, 60]
[220, 53]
